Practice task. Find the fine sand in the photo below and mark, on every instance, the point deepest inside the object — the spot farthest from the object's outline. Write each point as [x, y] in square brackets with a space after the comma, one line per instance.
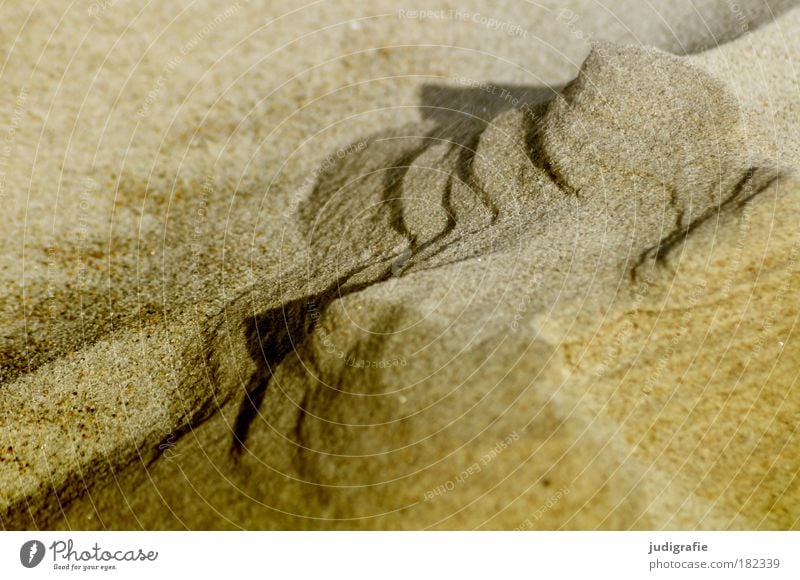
[341, 266]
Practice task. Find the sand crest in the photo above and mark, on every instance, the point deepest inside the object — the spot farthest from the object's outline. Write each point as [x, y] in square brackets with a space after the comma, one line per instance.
[554, 305]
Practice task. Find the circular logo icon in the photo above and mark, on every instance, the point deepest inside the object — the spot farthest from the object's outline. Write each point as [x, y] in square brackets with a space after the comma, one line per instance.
[31, 553]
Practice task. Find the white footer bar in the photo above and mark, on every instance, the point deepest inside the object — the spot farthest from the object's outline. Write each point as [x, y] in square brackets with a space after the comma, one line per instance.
[390, 555]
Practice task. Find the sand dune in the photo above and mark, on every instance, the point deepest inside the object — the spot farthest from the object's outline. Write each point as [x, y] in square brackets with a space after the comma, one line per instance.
[535, 297]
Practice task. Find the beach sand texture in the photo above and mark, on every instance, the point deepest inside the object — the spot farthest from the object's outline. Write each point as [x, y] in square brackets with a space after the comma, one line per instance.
[387, 266]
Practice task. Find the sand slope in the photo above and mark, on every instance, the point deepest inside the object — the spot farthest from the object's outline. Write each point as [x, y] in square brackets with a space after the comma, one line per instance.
[558, 301]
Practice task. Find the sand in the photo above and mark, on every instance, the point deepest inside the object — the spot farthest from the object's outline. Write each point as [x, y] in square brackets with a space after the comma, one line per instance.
[400, 267]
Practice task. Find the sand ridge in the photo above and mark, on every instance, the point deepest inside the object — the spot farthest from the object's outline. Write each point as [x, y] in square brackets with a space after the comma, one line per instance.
[455, 282]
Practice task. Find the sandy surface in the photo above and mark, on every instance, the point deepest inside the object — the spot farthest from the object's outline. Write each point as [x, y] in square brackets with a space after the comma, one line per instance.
[527, 266]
